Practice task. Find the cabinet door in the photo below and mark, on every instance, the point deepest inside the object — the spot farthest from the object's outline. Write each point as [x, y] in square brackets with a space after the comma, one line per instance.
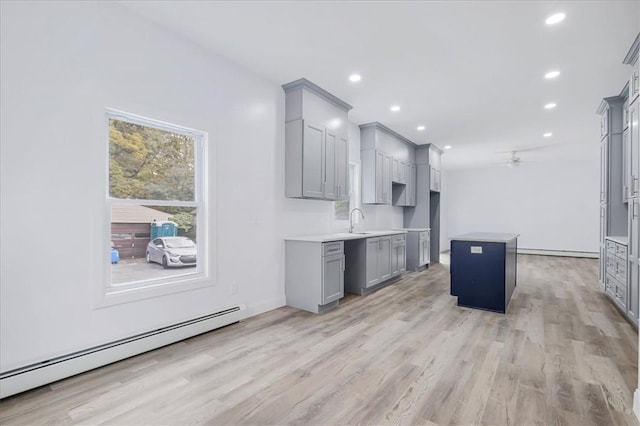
[626, 166]
[372, 277]
[403, 172]
[634, 149]
[437, 180]
[313, 161]
[634, 82]
[342, 168]
[426, 248]
[380, 188]
[432, 179]
[332, 278]
[634, 231]
[633, 293]
[411, 186]
[395, 169]
[395, 267]
[604, 170]
[604, 124]
[384, 258]
[386, 179]
[330, 184]
[401, 253]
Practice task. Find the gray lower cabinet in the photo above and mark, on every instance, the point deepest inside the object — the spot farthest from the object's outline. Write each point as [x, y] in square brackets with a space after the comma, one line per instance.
[616, 278]
[314, 274]
[418, 245]
[373, 262]
[398, 254]
[378, 260]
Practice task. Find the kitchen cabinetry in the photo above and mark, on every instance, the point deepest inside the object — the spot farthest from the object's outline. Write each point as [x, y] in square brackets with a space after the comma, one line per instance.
[316, 143]
[405, 195]
[633, 161]
[376, 177]
[378, 260]
[616, 282]
[314, 274]
[398, 254]
[399, 171]
[434, 180]
[418, 248]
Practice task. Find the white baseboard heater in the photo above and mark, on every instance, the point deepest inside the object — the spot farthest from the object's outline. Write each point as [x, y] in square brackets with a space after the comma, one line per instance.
[42, 373]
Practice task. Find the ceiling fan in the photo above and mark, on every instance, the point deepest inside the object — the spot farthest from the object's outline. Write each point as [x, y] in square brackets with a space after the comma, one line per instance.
[514, 160]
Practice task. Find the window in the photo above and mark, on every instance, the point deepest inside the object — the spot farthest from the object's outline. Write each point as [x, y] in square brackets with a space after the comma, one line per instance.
[155, 191]
[342, 208]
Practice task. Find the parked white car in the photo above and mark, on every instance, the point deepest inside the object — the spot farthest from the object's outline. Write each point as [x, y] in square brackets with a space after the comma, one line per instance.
[172, 251]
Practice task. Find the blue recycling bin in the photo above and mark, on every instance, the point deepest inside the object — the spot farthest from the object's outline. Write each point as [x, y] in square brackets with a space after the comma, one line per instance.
[115, 255]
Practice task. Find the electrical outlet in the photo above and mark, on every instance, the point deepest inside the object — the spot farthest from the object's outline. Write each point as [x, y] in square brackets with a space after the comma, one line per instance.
[234, 287]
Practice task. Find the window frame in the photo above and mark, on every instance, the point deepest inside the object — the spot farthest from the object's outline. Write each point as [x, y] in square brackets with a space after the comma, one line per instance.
[354, 196]
[109, 293]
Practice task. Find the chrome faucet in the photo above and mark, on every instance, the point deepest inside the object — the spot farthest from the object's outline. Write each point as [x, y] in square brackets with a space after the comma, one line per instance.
[351, 218]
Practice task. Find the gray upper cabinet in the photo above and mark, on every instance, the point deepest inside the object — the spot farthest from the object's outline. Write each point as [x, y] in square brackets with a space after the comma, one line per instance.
[342, 168]
[376, 177]
[399, 171]
[316, 143]
[634, 78]
[408, 193]
[386, 160]
[604, 123]
[434, 170]
[313, 157]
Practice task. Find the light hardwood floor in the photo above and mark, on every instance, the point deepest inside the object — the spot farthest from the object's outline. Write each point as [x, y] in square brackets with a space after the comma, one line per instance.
[562, 355]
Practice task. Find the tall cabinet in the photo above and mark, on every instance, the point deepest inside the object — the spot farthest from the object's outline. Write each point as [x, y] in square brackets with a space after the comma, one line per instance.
[620, 193]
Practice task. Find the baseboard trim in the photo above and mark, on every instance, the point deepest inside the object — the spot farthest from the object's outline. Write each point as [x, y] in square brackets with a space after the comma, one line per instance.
[265, 306]
[636, 403]
[563, 253]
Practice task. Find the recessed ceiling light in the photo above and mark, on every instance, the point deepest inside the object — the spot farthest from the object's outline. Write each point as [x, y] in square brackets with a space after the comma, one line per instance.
[547, 135]
[447, 147]
[355, 78]
[395, 108]
[550, 106]
[420, 128]
[552, 74]
[555, 18]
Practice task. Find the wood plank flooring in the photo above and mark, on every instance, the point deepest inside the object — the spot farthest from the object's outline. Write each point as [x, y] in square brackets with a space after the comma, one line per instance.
[562, 355]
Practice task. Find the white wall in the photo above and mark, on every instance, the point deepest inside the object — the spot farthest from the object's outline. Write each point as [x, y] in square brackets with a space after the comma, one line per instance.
[62, 64]
[553, 205]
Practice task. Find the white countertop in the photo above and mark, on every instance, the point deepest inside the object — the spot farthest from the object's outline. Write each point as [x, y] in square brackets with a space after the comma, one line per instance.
[618, 239]
[493, 237]
[415, 229]
[341, 236]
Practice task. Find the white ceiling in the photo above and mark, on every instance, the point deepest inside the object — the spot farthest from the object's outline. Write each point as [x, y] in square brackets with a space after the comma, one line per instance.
[472, 72]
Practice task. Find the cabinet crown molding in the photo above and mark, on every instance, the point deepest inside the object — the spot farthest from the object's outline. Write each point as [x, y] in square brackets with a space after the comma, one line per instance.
[312, 87]
[383, 128]
[607, 102]
[632, 55]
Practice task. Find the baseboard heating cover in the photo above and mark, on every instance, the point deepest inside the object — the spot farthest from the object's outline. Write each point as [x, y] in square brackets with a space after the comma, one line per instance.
[565, 253]
[32, 376]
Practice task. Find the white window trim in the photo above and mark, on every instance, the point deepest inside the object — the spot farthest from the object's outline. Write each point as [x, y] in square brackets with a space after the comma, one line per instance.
[106, 293]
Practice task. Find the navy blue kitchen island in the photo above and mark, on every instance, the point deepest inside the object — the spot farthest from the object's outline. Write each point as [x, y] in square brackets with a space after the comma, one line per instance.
[483, 270]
